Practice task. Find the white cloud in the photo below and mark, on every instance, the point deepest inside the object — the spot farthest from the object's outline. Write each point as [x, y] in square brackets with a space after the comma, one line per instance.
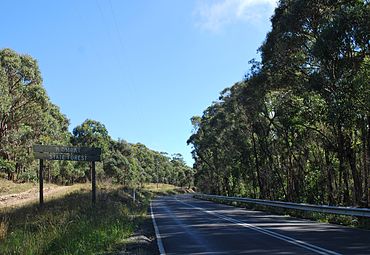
[215, 15]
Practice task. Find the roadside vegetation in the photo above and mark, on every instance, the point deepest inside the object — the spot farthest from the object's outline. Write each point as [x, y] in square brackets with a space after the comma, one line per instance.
[28, 117]
[166, 189]
[297, 128]
[69, 224]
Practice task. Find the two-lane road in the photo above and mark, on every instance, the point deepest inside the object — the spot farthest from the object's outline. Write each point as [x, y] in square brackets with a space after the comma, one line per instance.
[189, 226]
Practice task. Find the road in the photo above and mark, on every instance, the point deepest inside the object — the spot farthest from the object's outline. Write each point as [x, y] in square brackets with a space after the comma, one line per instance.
[185, 225]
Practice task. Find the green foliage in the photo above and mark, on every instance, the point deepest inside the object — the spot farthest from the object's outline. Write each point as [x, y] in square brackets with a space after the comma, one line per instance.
[91, 133]
[27, 117]
[26, 114]
[297, 128]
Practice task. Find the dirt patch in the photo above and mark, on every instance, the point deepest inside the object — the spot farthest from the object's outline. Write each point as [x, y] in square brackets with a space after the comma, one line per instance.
[28, 196]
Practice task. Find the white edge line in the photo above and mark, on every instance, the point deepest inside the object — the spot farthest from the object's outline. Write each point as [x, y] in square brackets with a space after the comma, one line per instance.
[157, 234]
[288, 239]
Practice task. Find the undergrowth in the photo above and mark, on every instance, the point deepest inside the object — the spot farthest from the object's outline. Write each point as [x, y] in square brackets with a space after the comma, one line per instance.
[71, 225]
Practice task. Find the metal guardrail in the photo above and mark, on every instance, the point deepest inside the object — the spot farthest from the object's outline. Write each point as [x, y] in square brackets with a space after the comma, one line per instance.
[351, 211]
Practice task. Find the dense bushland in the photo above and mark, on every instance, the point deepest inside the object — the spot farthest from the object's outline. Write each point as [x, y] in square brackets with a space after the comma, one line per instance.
[298, 127]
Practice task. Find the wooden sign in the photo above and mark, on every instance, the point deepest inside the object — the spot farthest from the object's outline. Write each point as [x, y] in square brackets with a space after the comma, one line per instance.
[55, 152]
[52, 152]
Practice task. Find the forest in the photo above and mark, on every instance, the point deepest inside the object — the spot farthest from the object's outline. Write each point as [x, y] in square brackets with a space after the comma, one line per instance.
[28, 117]
[297, 128]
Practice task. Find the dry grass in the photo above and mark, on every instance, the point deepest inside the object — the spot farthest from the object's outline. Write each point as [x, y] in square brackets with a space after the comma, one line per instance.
[68, 224]
[160, 187]
[9, 187]
[4, 226]
[31, 196]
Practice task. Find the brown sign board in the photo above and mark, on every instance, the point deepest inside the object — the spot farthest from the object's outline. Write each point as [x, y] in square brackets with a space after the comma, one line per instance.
[52, 152]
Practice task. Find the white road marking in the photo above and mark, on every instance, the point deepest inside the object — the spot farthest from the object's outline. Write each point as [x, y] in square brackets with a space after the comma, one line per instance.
[288, 239]
[157, 234]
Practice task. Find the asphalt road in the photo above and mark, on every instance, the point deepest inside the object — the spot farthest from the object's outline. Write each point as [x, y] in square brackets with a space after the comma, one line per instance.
[186, 225]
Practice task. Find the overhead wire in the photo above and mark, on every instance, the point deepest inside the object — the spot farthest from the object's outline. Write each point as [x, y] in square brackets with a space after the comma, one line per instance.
[121, 51]
[121, 44]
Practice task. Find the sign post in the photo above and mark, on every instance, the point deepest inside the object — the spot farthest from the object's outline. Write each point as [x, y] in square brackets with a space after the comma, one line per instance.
[52, 152]
[41, 178]
[93, 182]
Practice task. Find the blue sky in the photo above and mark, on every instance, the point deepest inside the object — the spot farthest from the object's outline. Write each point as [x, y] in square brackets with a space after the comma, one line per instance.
[142, 68]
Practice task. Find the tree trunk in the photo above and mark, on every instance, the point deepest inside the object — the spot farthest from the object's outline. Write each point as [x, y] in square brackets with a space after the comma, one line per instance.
[342, 168]
[260, 182]
[364, 161]
[290, 171]
[368, 161]
[356, 178]
[329, 169]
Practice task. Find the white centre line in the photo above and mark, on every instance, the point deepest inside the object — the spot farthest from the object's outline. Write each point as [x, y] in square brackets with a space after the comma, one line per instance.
[288, 239]
[157, 234]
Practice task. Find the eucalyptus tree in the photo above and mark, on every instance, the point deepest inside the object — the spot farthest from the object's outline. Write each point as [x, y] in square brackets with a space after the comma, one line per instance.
[297, 128]
[319, 46]
[26, 114]
[23, 100]
[117, 164]
[91, 133]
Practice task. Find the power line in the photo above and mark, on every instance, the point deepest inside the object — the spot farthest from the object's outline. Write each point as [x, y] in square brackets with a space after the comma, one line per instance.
[120, 40]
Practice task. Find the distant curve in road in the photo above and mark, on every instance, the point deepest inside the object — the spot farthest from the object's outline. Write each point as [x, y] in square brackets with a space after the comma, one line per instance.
[185, 225]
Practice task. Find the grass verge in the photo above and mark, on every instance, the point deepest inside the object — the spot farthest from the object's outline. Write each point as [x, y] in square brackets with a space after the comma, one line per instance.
[71, 225]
